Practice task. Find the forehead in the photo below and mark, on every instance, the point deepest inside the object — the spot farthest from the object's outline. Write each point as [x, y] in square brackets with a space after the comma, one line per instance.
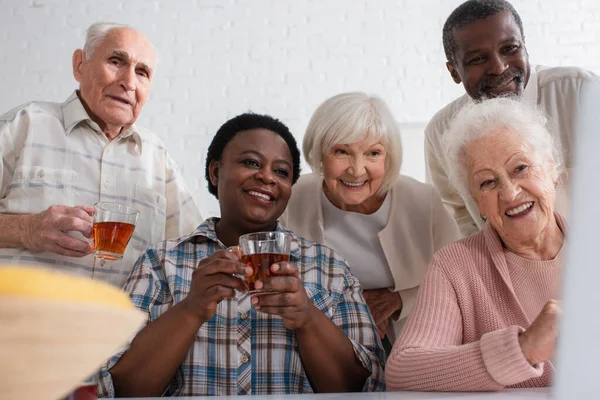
[268, 143]
[129, 41]
[368, 140]
[496, 149]
[493, 29]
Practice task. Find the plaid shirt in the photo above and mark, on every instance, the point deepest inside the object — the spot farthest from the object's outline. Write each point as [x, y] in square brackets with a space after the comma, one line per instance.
[241, 351]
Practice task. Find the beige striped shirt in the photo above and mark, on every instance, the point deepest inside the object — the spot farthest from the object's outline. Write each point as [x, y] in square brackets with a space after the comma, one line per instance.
[54, 154]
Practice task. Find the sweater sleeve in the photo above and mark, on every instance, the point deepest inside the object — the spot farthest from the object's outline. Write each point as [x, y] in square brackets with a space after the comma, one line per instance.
[431, 356]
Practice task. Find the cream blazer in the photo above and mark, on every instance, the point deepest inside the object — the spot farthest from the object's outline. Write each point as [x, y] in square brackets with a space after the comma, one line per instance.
[417, 227]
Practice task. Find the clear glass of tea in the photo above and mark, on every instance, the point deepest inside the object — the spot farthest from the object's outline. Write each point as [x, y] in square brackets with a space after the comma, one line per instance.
[260, 250]
[114, 224]
[85, 391]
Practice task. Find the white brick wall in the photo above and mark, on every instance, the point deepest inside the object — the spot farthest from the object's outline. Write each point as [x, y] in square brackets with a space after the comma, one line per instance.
[219, 58]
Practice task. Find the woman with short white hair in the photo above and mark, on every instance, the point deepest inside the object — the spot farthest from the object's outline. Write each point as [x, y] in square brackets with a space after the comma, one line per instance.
[386, 225]
[486, 316]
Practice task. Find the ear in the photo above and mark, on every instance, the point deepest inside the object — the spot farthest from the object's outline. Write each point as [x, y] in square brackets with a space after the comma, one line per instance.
[78, 63]
[213, 172]
[453, 72]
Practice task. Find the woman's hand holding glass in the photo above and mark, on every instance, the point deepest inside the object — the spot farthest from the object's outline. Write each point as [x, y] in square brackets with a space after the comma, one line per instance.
[289, 300]
[214, 281]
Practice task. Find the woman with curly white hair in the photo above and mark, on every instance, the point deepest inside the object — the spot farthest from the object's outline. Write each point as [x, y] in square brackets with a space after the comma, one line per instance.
[486, 316]
[386, 225]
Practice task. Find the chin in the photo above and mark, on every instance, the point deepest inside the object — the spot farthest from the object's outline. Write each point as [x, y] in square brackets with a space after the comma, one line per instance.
[261, 219]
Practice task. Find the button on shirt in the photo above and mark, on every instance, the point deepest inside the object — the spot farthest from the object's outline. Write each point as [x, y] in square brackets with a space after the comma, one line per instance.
[54, 154]
[242, 351]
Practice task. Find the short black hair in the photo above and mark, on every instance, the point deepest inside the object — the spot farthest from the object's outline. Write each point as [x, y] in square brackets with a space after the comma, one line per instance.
[245, 122]
[469, 12]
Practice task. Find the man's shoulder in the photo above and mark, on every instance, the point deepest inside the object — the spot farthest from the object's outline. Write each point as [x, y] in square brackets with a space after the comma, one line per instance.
[150, 139]
[440, 121]
[548, 75]
[32, 108]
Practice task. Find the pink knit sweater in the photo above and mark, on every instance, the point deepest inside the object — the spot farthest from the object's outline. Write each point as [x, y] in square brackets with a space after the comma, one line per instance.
[463, 332]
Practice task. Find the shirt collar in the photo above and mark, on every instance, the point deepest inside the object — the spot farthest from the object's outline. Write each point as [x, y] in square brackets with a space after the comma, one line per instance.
[206, 231]
[74, 113]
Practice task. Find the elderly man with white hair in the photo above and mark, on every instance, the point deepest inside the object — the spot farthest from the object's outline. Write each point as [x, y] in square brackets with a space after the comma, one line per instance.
[386, 225]
[59, 159]
[486, 316]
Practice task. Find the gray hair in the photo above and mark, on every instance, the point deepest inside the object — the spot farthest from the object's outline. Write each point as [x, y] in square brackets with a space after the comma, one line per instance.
[480, 119]
[96, 33]
[349, 118]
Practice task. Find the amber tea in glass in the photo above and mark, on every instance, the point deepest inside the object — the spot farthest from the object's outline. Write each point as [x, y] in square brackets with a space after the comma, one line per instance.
[260, 250]
[114, 224]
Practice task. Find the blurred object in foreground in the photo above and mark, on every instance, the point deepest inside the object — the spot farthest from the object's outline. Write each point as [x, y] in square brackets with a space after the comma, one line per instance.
[56, 330]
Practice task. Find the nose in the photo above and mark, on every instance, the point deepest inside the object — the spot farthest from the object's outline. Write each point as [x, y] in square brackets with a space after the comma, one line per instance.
[266, 176]
[128, 79]
[509, 191]
[497, 64]
[357, 166]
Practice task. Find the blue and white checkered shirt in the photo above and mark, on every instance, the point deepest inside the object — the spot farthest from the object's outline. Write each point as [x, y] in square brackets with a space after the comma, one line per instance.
[242, 351]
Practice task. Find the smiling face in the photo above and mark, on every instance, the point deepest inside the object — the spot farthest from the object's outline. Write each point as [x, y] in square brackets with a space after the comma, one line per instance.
[353, 173]
[253, 179]
[490, 58]
[116, 80]
[512, 186]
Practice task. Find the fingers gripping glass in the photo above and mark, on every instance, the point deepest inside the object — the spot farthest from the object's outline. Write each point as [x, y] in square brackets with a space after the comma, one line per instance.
[259, 251]
[114, 224]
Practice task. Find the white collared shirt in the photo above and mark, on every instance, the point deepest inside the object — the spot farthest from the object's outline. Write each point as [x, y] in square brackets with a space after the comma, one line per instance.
[557, 91]
[54, 154]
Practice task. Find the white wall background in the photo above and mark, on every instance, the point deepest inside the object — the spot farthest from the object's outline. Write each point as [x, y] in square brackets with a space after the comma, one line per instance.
[219, 58]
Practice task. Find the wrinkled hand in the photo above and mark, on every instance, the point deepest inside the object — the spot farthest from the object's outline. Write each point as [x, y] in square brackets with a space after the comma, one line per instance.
[213, 281]
[539, 340]
[383, 305]
[382, 328]
[290, 302]
[46, 231]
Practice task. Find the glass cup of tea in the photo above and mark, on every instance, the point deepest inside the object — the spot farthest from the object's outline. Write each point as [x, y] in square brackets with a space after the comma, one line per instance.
[260, 250]
[114, 224]
[86, 390]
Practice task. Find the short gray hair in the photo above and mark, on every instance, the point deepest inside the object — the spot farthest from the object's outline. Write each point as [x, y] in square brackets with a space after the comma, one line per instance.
[96, 33]
[349, 118]
[480, 119]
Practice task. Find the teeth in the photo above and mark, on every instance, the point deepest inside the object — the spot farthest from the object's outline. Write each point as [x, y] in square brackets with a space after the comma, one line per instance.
[519, 209]
[353, 184]
[262, 195]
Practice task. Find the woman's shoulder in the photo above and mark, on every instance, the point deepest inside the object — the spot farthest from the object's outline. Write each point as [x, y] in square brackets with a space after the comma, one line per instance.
[418, 199]
[307, 180]
[458, 256]
[318, 260]
[307, 187]
[412, 189]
